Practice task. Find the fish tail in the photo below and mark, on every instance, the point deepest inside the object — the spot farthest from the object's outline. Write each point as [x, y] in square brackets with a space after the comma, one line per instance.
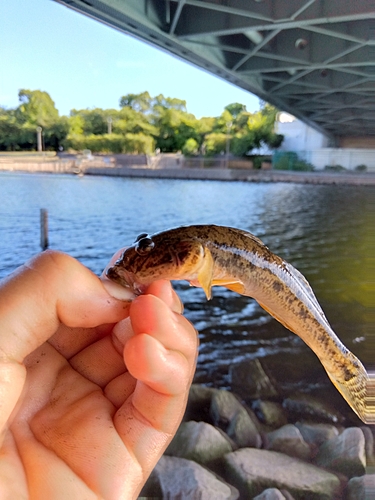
[370, 399]
[354, 385]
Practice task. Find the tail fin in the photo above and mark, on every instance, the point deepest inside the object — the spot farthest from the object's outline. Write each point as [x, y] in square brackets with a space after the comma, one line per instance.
[356, 389]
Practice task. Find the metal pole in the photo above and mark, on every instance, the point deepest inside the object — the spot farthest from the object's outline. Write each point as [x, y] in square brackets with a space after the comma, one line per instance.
[39, 138]
[43, 228]
[229, 125]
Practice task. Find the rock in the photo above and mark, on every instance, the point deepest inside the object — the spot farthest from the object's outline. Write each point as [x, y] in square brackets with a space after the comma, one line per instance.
[289, 440]
[369, 443]
[361, 488]
[271, 494]
[243, 431]
[270, 413]
[344, 453]
[199, 402]
[224, 406]
[184, 479]
[231, 416]
[308, 407]
[250, 381]
[317, 434]
[252, 471]
[200, 442]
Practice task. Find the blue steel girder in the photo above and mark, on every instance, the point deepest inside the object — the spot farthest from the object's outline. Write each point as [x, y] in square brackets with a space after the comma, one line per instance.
[312, 58]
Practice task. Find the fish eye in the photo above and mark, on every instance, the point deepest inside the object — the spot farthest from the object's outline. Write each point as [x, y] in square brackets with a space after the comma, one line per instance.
[144, 245]
[140, 237]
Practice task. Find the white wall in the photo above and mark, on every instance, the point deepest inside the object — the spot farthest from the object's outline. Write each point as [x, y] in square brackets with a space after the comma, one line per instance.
[297, 135]
[348, 158]
[311, 146]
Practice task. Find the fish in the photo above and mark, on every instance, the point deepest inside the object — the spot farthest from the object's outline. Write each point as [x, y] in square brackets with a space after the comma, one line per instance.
[211, 255]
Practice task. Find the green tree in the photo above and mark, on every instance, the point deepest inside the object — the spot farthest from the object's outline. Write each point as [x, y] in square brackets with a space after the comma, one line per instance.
[9, 130]
[129, 120]
[141, 103]
[91, 121]
[235, 109]
[173, 123]
[36, 108]
[215, 143]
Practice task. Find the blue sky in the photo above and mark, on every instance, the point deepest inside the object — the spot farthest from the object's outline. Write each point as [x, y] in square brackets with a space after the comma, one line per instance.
[84, 64]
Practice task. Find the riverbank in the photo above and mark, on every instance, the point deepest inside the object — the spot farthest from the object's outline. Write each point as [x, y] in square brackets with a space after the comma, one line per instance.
[263, 449]
[99, 167]
[220, 174]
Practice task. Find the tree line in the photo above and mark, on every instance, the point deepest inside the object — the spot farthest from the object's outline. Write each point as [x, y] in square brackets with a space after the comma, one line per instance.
[143, 124]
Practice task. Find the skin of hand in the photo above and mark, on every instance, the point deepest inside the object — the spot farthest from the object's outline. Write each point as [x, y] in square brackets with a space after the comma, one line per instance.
[92, 388]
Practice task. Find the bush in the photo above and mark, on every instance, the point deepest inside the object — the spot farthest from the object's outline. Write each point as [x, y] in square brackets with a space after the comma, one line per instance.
[290, 161]
[190, 147]
[361, 168]
[303, 166]
[334, 168]
[111, 143]
[215, 143]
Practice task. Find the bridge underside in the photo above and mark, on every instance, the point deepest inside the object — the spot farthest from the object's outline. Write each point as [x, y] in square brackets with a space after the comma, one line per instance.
[312, 58]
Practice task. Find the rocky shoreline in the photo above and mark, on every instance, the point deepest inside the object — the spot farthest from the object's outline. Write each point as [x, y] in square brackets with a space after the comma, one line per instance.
[264, 449]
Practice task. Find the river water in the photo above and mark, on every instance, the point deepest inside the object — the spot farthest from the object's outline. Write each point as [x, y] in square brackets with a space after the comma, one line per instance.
[326, 231]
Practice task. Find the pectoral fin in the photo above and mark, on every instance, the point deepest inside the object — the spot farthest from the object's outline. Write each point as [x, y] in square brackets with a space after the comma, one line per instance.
[206, 273]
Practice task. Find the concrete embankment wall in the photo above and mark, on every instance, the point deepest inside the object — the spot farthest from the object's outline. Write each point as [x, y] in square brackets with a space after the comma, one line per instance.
[238, 175]
[221, 174]
[45, 166]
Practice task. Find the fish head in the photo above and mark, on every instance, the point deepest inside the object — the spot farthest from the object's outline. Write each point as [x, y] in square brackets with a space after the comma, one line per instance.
[155, 257]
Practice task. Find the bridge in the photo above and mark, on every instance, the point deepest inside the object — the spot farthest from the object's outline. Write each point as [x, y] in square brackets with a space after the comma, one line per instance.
[312, 58]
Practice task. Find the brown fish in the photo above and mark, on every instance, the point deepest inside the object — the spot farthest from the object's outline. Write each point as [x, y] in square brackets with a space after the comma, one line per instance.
[208, 255]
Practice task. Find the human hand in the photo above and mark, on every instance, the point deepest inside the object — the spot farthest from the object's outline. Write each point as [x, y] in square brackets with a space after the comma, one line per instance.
[92, 389]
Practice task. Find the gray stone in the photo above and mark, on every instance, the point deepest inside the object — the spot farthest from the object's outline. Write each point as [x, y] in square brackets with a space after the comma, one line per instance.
[183, 479]
[361, 488]
[252, 471]
[200, 442]
[369, 443]
[270, 494]
[199, 402]
[308, 407]
[243, 431]
[289, 440]
[270, 413]
[344, 453]
[224, 406]
[317, 434]
[250, 381]
[230, 415]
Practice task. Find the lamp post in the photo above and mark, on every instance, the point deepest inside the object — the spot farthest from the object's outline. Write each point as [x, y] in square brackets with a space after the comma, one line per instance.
[109, 122]
[229, 126]
[39, 138]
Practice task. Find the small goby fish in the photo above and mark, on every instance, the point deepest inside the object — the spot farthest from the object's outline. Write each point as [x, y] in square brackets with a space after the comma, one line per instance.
[208, 255]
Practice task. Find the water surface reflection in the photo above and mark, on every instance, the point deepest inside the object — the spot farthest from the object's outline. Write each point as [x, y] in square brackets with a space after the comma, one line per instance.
[324, 231]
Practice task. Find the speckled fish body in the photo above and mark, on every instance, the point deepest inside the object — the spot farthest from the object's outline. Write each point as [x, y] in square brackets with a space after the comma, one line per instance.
[208, 255]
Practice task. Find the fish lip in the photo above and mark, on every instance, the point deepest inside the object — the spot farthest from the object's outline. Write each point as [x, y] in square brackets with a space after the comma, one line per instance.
[121, 276]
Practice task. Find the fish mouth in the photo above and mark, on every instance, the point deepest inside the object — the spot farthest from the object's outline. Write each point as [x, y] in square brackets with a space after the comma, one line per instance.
[125, 278]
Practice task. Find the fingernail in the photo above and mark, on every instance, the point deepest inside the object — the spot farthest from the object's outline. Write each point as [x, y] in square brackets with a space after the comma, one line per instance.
[117, 291]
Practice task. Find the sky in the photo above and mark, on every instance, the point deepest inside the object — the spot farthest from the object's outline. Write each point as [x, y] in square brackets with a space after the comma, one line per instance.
[83, 64]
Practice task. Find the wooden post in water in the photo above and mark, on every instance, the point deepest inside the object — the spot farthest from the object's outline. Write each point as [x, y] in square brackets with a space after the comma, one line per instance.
[44, 228]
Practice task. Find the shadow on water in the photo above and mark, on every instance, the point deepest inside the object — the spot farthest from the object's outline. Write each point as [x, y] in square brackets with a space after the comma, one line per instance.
[326, 231]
